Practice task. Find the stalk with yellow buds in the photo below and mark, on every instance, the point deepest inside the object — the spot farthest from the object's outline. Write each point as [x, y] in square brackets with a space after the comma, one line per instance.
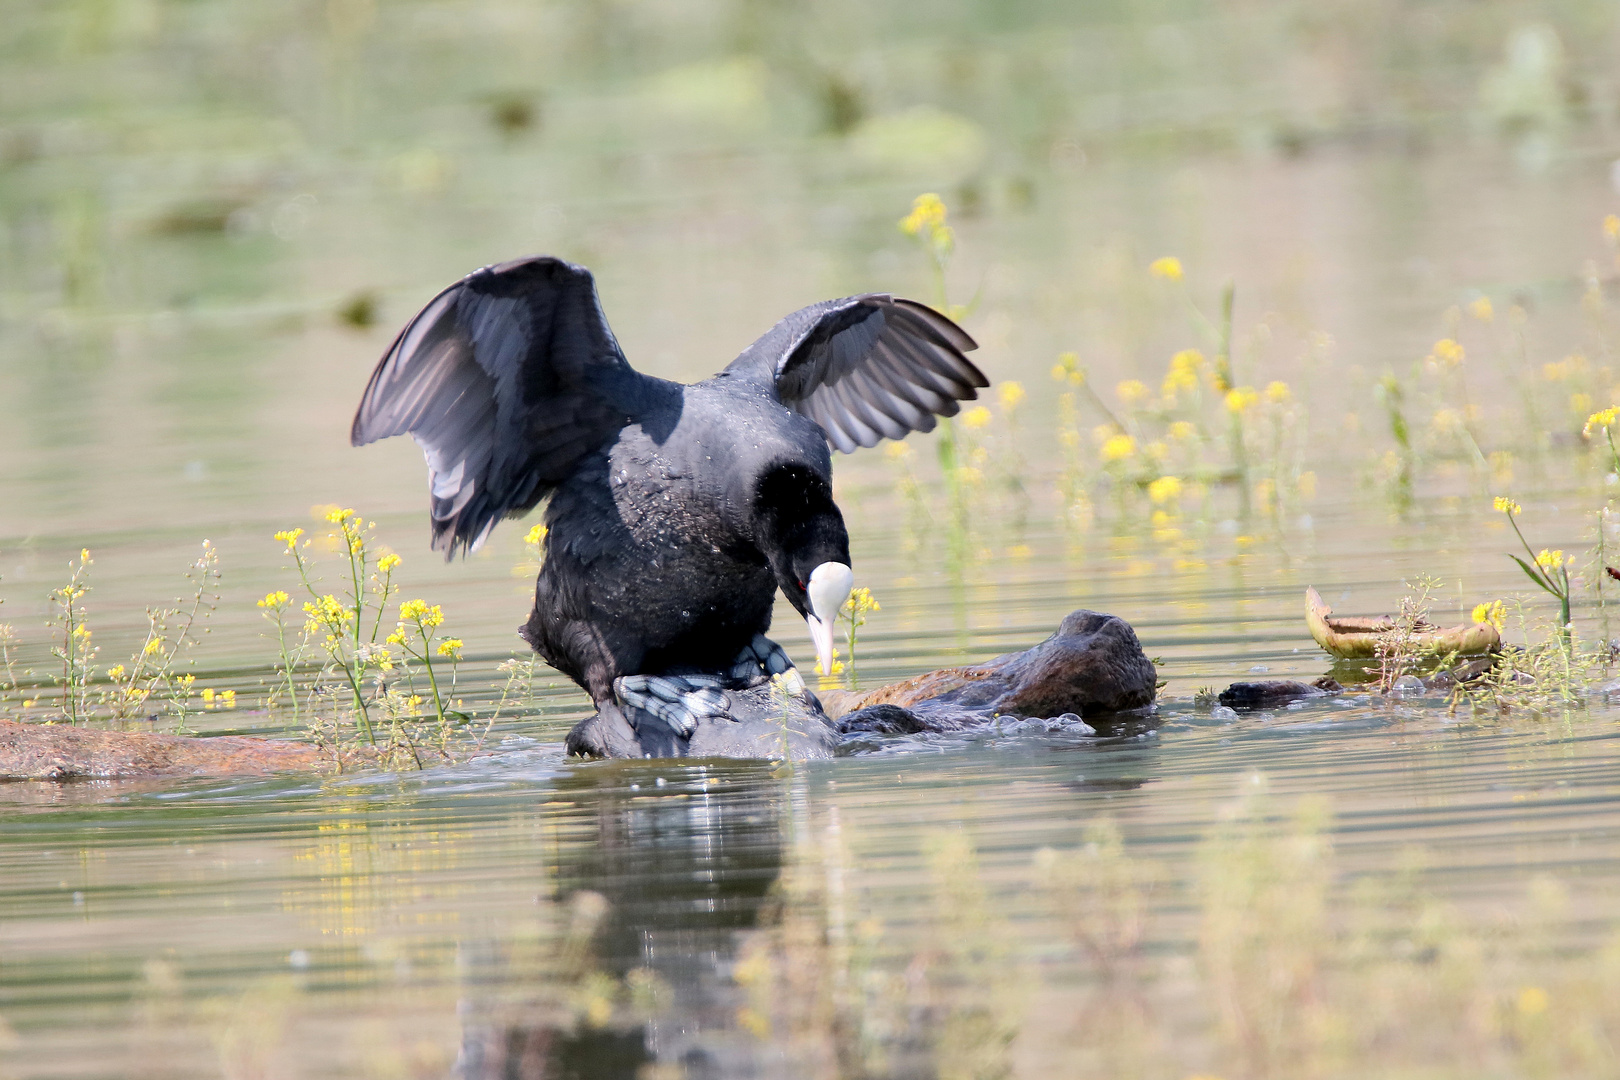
[1549, 569]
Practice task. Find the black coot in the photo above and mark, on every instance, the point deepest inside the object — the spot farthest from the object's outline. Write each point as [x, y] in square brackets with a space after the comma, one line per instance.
[675, 511]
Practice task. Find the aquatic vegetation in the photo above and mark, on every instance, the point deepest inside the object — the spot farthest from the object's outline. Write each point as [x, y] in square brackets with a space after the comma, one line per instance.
[1547, 676]
[1402, 650]
[853, 615]
[124, 691]
[346, 629]
[926, 223]
[1275, 960]
[1548, 569]
[74, 650]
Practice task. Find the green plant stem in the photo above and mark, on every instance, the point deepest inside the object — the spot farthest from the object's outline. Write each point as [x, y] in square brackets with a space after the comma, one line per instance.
[1541, 577]
[427, 662]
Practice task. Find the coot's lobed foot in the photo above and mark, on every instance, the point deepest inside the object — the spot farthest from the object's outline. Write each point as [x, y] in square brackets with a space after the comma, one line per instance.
[681, 701]
[758, 661]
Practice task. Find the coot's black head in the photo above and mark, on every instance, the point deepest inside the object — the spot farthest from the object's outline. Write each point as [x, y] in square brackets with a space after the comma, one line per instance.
[802, 535]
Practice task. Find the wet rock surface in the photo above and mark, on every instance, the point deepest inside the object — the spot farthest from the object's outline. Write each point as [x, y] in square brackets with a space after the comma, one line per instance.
[763, 725]
[59, 752]
[1275, 693]
[1093, 665]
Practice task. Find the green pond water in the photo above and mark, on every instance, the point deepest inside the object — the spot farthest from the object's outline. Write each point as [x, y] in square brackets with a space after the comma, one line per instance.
[215, 216]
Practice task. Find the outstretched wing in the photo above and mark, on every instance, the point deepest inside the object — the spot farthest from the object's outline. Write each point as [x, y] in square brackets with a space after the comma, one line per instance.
[506, 380]
[867, 368]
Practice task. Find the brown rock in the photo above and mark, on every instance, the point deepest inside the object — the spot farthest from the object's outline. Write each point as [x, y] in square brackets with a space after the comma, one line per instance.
[1275, 693]
[60, 752]
[1092, 665]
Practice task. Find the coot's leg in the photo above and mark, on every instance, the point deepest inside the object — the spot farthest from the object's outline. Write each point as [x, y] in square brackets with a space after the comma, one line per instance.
[678, 700]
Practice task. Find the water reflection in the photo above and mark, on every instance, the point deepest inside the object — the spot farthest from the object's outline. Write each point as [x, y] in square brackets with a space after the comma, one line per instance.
[663, 867]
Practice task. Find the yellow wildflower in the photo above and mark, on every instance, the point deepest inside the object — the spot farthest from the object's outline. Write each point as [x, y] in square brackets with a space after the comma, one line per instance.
[387, 563]
[1276, 392]
[1447, 352]
[1182, 430]
[414, 702]
[1507, 506]
[227, 698]
[418, 611]
[208, 693]
[275, 600]
[84, 555]
[290, 537]
[976, 417]
[329, 610]
[927, 222]
[1165, 489]
[338, 515]
[1183, 372]
[1491, 613]
[1611, 228]
[1010, 394]
[186, 681]
[1133, 392]
[1600, 420]
[1067, 369]
[1549, 560]
[1447, 420]
[396, 638]
[115, 672]
[927, 212]
[152, 646]
[1118, 448]
[1570, 366]
[535, 534]
[861, 601]
[81, 631]
[450, 647]
[1481, 309]
[1167, 267]
[1241, 399]
[1533, 1001]
[837, 666]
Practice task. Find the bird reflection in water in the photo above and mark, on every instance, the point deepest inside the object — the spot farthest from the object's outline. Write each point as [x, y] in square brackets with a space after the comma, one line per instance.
[669, 868]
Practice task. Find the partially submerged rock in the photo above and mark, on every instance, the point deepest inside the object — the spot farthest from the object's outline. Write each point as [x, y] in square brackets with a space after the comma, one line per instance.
[766, 724]
[1093, 665]
[61, 752]
[1276, 693]
[1359, 638]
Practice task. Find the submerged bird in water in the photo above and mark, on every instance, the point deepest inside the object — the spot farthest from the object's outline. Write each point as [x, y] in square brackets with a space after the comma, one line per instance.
[675, 511]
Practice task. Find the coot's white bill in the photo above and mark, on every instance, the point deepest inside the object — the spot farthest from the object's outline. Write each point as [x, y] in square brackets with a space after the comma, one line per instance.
[830, 585]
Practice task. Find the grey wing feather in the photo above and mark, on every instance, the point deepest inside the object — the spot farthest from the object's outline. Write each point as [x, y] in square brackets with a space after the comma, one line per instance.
[506, 380]
[867, 367]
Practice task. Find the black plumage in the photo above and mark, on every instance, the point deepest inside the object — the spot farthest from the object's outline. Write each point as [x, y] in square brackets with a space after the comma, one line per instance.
[675, 511]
